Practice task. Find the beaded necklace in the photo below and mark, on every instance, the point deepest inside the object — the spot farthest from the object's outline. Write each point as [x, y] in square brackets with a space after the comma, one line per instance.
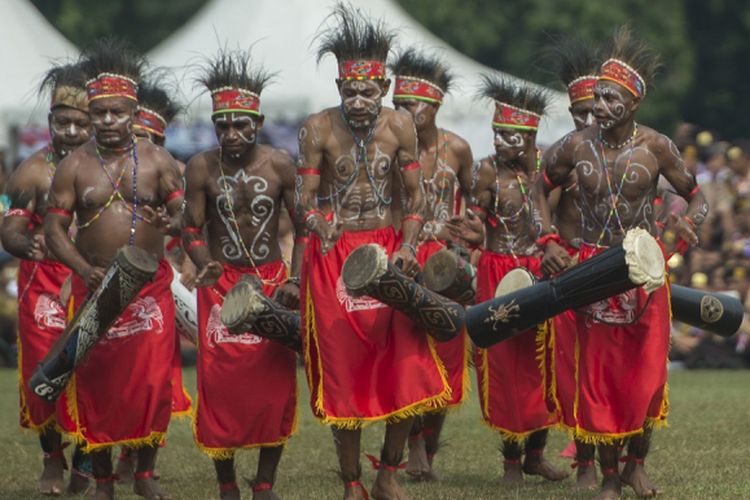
[50, 159]
[525, 205]
[238, 235]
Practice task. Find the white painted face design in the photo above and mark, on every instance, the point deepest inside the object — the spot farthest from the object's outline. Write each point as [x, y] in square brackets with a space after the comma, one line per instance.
[69, 129]
[236, 132]
[362, 102]
[583, 114]
[610, 106]
[509, 144]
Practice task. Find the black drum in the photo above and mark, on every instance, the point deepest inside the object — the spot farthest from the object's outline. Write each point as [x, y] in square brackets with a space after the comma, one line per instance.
[247, 309]
[132, 268]
[714, 312]
[639, 261]
[367, 271]
[450, 274]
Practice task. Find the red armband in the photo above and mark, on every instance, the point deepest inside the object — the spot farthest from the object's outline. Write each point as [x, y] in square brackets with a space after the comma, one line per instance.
[413, 217]
[192, 230]
[692, 193]
[310, 213]
[658, 201]
[543, 240]
[195, 243]
[411, 166]
[302, 240]
[60, 211]
[174, 242]
[548, 181]
[18, 212]
[308, 171]
[478, 209]
[174, 194]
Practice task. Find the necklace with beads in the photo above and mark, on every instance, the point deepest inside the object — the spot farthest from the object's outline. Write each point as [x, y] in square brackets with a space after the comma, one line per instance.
[525, 205]
[619, 146]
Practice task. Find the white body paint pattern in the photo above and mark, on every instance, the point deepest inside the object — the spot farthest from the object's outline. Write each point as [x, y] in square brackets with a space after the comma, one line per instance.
[146, 316]
[217, 333]
[353, 190]
[49, 314]
[438, 196]
[262, 208]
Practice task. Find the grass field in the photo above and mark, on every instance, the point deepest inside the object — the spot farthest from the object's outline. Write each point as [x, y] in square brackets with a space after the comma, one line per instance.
[704, 454]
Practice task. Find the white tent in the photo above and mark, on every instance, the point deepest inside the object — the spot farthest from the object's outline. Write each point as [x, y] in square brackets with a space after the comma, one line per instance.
[28, 44]
[283, 33]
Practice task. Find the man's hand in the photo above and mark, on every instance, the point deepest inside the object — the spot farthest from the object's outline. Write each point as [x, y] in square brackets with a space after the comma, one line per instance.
[158, 218]
[684, 229]
[288, 295]
[38, 249]
[555, 259]
[469, 229]
[329, 235]
[406, 259]
[188, 273]
[93, 276]
[210, 274]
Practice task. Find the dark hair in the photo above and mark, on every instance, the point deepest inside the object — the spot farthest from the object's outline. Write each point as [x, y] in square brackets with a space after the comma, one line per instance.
[633, 52]
[521, 95]
[573, 58]
[233, 68]
[70, 74]
[354, 36]
[420, 65]
[155, 98]
[112, 55]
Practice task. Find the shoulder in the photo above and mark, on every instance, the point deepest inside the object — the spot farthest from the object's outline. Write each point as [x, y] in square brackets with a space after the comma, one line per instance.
[658, 143]
[199, 164]
[151, 150]
[457, 144]
[398, 118]
[30, 167]
[322, 119]
[283, 164]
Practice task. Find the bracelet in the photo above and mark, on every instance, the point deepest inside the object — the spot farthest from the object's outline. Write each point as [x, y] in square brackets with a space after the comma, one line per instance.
[411, 166]
[18, 212]
[308, 171]
[302, 240]
[294, 280]
[195, 243]
[410, 247]
[414, 217]
[543, 240]
[310, 213]
[547, 180]
[59, 211]
[174, 194]
[478, 210]
[192, 230]
[692, 193]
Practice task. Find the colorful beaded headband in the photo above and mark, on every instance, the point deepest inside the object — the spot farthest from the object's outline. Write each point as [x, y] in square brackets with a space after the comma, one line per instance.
[112, 85]
[71, 97]
[582, 88]
[409, 87]
[507, 116]
[235, 100]
[150, 121]
[362, 69]
[619, 72]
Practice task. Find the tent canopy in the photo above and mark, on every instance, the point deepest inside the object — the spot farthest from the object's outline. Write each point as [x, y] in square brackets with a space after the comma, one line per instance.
[282, 36]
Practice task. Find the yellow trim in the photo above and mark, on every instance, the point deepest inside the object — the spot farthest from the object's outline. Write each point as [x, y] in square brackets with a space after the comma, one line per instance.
[26, 423]
[552, 389]
[184, 414]
[540, 340]
[466, 377]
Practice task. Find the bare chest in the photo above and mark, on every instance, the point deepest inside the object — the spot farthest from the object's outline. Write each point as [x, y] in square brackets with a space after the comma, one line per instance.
[628, 174]
[99, 186]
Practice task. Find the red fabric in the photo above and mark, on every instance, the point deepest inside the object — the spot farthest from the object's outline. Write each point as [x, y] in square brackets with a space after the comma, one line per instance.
[364, 361]
[511, 383]
[246, 384]
[41, 320]
[453, 352]
[621, 370]
[181, 402]
[122, 393]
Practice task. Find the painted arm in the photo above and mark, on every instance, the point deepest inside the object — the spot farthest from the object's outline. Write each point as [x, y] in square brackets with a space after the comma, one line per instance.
[288, 294]
[17, 239]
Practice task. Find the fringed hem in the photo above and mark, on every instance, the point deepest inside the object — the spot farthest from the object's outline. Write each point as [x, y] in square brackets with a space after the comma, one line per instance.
[27, 424]
[465, 379]
[227, 453]
[552, 387]
[182, 415]
[597, 438]
[153, 439]
[516, 437]
[540, 340]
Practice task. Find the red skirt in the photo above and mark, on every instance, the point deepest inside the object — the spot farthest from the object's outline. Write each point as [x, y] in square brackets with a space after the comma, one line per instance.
[41, 320]
[246, 384]
[365, 362]
[512, 374]
[181, 402]
[122, 392]
[619, 371]
[454, 354]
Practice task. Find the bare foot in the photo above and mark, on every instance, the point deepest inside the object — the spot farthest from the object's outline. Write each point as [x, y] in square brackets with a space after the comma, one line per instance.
[513, 476]
[611, 488]
[104, 491]
[537, 466]
[417, 464]
[386, 487]
[635, 476]
[126, 468]
[149, 489]
[355, 491]
[79, 483]
[51, 481]
[586, 477]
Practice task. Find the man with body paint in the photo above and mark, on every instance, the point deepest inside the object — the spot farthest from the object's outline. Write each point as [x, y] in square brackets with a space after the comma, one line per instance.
[618, 164]
[511, 377]
[365, 362]
[422, 81]
[234, 195]
[114, 186]
[41, 315]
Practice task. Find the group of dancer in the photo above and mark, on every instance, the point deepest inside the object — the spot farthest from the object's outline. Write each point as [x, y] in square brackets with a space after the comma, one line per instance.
[365, 174]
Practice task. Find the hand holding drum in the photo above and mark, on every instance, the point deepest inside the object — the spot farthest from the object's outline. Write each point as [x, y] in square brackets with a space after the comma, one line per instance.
[450, 274]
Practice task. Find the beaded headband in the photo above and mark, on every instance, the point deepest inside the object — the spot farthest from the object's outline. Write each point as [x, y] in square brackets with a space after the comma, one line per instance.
[362, 69]
[507, 116]
[235, 100]
[71, 97]
[112, 85]
[409, 87]
[582, 88]
[150, 121]
[621, 73]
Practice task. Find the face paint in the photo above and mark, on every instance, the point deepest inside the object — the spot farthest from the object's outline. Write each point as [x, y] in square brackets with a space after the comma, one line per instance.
[583, 114]
[236, 133]
[112, 119]
[611, 106]
[361, 101]
[69, 128]
[509, 144]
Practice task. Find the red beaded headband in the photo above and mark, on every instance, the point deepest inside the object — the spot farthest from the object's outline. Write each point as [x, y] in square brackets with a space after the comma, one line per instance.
[150, 121]
[235, 100]
[409, 87]
[619, 72]
[111, 85]
[507, 116]
[582, 88]
[362, 69]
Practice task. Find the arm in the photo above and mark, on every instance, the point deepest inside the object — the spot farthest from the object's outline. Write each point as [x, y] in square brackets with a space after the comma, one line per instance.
[479, 195]
[288, 294]
[170, 191]
[16, 237]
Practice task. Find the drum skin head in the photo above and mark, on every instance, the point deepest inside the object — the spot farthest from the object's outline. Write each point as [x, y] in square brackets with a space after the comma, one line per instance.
[644, 258]
[137, 258]
[364, 267]
[515, 280]
[440, 270]
[241, 304]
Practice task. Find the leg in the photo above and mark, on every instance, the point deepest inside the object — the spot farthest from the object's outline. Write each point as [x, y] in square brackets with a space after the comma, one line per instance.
[433, 426]
[512, 475]
[609, 457]
[144, 483]
[51, 481]
[81, 473]
[228, 489]
[386, 487]
[586, 470]
[417, 464]
[101, 463]
[535, 464]
[126, 464]
[347, 449]
[268, 462]
[634, 473]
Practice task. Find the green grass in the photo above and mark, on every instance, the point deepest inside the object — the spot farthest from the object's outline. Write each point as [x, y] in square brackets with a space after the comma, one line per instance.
[704, 454]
